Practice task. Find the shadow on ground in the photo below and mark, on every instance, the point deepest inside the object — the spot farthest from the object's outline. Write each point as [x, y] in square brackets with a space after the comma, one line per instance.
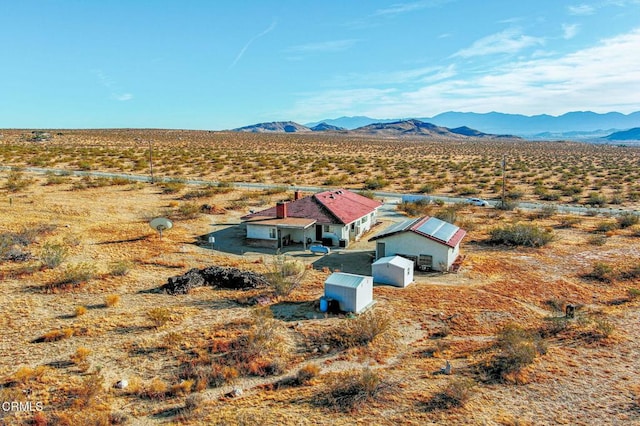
[353, 262]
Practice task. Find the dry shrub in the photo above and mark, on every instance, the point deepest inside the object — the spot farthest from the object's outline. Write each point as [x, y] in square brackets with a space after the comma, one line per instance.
[569, 221]
[594, 328]
[597, 240]
[285, 275]
[80, 356]
[55, 335]
[172, 187]
[520, 234]
[351, 390]
[52, 255]
[363, 329]
[306, 373]
[416, 208]
[456, 394]
[111, 300]
[156, 389]
[159, 316]
[517, 348]
[120, 268]
[188, 210]
[73, 276]
[182, 388]
[27, 374]
[602, 272]
[80, 310]
[628, 219]
[88, 391]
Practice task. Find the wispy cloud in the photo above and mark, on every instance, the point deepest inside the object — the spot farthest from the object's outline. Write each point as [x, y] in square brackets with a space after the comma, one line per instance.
[399, 8]
[569, 31]
[553, 85]
[582, 9]
[508, 41]
[254, 38]
[410, 76]
[112, 86]
[324, 46]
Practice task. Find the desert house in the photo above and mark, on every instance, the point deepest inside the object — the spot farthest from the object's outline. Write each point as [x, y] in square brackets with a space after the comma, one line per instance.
[431, 243]
[393, 270]
[331, 217]
[354, 293]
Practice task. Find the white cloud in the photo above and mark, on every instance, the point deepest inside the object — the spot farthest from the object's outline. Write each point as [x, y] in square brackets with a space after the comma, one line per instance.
[123, 96]
[324, 46]
[582, 9]
[601, 78]
[569, 31]
[508, 41]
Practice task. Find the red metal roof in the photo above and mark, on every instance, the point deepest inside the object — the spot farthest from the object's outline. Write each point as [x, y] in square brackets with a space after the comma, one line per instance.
[347, 206]
[338, 206]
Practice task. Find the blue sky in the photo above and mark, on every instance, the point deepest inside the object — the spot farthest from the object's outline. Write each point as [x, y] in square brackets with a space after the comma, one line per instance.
[222, 64]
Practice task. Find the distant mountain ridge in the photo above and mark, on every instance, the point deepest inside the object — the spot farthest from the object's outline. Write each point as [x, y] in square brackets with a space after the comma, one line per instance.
[398, 128]
[577, 124]
[627, 135]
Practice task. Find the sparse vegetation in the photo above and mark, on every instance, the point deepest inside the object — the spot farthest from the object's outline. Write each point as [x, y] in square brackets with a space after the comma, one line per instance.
[350, 391]
[159, 316]
[285, 274]
[456, 394]
[527, 235]
[52, 254]
[213, 338]
[517, 348]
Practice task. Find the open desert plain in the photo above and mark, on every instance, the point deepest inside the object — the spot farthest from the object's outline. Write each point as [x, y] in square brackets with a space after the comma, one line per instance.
[539, 325]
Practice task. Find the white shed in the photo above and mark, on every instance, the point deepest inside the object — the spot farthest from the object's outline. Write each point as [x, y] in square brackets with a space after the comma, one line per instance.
[353, 292]
[393, 270]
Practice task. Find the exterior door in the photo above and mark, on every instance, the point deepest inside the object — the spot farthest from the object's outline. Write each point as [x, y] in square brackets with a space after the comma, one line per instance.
[380, 249]
[318, 232]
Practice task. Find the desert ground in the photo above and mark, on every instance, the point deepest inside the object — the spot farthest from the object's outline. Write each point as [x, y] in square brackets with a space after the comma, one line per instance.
[83, 309]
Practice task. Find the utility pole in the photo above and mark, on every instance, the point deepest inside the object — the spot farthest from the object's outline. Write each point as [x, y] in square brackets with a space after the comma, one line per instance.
[151, 159]
[504, 179]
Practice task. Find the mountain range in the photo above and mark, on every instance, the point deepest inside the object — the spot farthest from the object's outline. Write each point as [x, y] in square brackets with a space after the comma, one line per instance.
[411, 127]
[573, 125]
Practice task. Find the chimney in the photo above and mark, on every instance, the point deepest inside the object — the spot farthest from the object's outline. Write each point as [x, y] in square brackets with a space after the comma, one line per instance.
[281, 209]
[296, 195]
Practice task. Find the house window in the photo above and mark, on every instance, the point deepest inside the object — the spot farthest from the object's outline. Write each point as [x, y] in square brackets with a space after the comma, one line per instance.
[365, 219]
[326, 228]
[353, 226]
[272, 233]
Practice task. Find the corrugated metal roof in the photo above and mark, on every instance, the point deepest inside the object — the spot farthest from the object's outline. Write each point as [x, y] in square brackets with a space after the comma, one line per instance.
[400, 261]
[344, 279]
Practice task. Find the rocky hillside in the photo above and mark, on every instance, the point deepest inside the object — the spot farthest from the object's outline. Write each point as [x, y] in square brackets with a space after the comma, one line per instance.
[274, 127]
[626, 135]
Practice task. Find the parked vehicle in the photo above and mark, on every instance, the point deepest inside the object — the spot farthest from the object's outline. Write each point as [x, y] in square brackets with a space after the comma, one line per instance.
[477, 202]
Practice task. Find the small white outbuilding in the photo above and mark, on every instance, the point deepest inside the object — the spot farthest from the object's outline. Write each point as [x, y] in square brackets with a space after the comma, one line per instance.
[393, 270]
[353, 292]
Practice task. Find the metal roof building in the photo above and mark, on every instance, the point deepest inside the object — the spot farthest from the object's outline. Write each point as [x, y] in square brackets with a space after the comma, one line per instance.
[430, 242]
[393, 270]
[353, 292]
